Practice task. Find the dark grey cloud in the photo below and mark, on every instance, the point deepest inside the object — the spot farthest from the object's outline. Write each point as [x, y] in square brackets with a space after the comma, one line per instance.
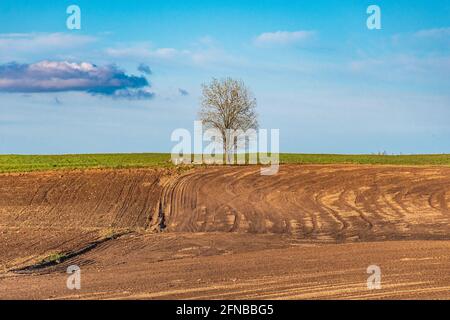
[183, 92]
[57, 101]
[134, 94]
[60, 76]
[145, 69]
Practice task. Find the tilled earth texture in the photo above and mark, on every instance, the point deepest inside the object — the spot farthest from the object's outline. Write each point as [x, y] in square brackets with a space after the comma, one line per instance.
[308, 232]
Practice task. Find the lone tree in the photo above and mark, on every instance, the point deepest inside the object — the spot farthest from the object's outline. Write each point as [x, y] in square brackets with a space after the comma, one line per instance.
[227, 105]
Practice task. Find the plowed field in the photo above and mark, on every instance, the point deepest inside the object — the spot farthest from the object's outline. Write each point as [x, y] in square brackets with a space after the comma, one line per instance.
[227, 232]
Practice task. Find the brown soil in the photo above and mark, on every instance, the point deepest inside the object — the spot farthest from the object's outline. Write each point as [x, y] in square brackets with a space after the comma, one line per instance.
[52, 212]
[326, 203]
[228, 232]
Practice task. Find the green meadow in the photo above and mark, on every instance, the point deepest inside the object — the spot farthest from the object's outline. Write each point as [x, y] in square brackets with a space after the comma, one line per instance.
[24, 163]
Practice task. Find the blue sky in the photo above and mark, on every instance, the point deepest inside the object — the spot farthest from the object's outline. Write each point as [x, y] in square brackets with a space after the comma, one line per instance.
[319, 74]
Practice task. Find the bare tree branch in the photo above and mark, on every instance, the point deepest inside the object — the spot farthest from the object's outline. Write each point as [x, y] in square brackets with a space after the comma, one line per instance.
[228, 105]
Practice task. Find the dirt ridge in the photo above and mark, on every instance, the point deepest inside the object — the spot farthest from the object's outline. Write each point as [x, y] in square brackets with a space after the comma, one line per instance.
[230, 219]
[329, 203]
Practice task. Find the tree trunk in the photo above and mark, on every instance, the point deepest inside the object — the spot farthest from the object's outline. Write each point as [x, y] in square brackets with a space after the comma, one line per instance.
[225, 147]
[235, 149]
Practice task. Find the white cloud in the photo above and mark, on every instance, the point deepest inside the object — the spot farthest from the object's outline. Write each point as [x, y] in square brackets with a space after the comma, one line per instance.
[143, 51]
[38, 46]
[39, 42]
[433, 33]
[64, 76]
[283, 38]
[204, 52]
[403, 67]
